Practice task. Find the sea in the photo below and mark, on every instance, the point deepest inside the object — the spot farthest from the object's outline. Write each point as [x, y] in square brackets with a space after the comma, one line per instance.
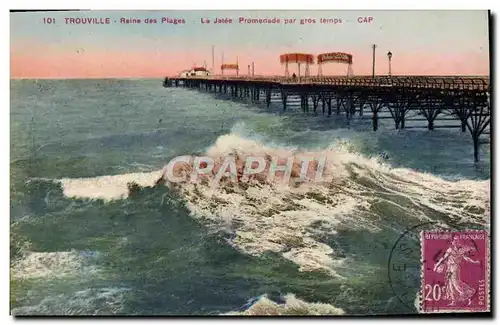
[81, 244]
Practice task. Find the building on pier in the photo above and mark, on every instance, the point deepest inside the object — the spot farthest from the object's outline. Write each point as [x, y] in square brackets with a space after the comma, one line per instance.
[195, 72]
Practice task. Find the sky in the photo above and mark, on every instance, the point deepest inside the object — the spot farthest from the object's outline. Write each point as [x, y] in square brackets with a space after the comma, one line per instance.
[422, 42]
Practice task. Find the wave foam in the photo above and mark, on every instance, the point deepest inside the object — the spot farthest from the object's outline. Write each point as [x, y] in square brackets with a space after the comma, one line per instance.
[54, 265]
[292, 306]
[265, 216]
[106, 187]
[88, 302]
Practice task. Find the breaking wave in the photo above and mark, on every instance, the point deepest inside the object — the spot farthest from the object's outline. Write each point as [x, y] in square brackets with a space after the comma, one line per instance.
[291, 306]
[262, 216]
[106, 187]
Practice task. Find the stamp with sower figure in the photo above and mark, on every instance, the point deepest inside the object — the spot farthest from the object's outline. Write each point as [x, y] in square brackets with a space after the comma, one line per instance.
[455, 272]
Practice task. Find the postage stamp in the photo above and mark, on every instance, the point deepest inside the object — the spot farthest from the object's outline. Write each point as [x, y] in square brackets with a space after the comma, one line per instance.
[455, 272]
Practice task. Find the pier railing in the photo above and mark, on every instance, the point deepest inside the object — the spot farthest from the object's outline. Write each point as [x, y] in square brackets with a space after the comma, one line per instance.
[481, 83]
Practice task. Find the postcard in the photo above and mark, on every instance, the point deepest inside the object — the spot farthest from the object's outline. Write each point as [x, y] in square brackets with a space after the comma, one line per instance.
[250, 163]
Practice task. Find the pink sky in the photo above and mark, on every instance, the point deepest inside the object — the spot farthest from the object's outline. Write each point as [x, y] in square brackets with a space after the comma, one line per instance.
[422, 43]
[54, 63]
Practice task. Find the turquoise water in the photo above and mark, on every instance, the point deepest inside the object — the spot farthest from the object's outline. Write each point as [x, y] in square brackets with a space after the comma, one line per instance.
[151, 254]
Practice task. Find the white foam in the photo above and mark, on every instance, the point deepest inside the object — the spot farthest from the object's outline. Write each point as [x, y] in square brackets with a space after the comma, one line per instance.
[88, 302]
[52, 265]
[265, 216]
[106, 187]
[292, 306]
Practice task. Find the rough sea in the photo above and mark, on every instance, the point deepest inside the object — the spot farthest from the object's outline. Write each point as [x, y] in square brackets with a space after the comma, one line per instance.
[80, 245]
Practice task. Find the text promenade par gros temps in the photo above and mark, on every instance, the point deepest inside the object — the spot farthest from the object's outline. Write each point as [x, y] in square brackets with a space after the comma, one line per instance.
[208, 20]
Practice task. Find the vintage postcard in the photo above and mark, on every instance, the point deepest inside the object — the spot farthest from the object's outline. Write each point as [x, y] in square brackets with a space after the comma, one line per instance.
[248, 163]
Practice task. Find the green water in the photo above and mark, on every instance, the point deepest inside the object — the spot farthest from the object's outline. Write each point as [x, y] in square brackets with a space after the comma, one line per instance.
[146, 255]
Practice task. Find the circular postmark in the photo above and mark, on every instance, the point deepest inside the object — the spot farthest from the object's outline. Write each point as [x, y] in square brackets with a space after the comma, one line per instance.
[405, 264]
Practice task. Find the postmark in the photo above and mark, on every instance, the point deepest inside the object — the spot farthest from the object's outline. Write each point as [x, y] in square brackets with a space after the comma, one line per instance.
[404, 264]
[455, 269]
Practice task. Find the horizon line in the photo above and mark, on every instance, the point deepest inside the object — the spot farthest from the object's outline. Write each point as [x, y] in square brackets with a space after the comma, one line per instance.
[162, 77]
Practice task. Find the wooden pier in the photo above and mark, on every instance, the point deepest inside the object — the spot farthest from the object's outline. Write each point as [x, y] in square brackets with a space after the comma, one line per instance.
[462, 98]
